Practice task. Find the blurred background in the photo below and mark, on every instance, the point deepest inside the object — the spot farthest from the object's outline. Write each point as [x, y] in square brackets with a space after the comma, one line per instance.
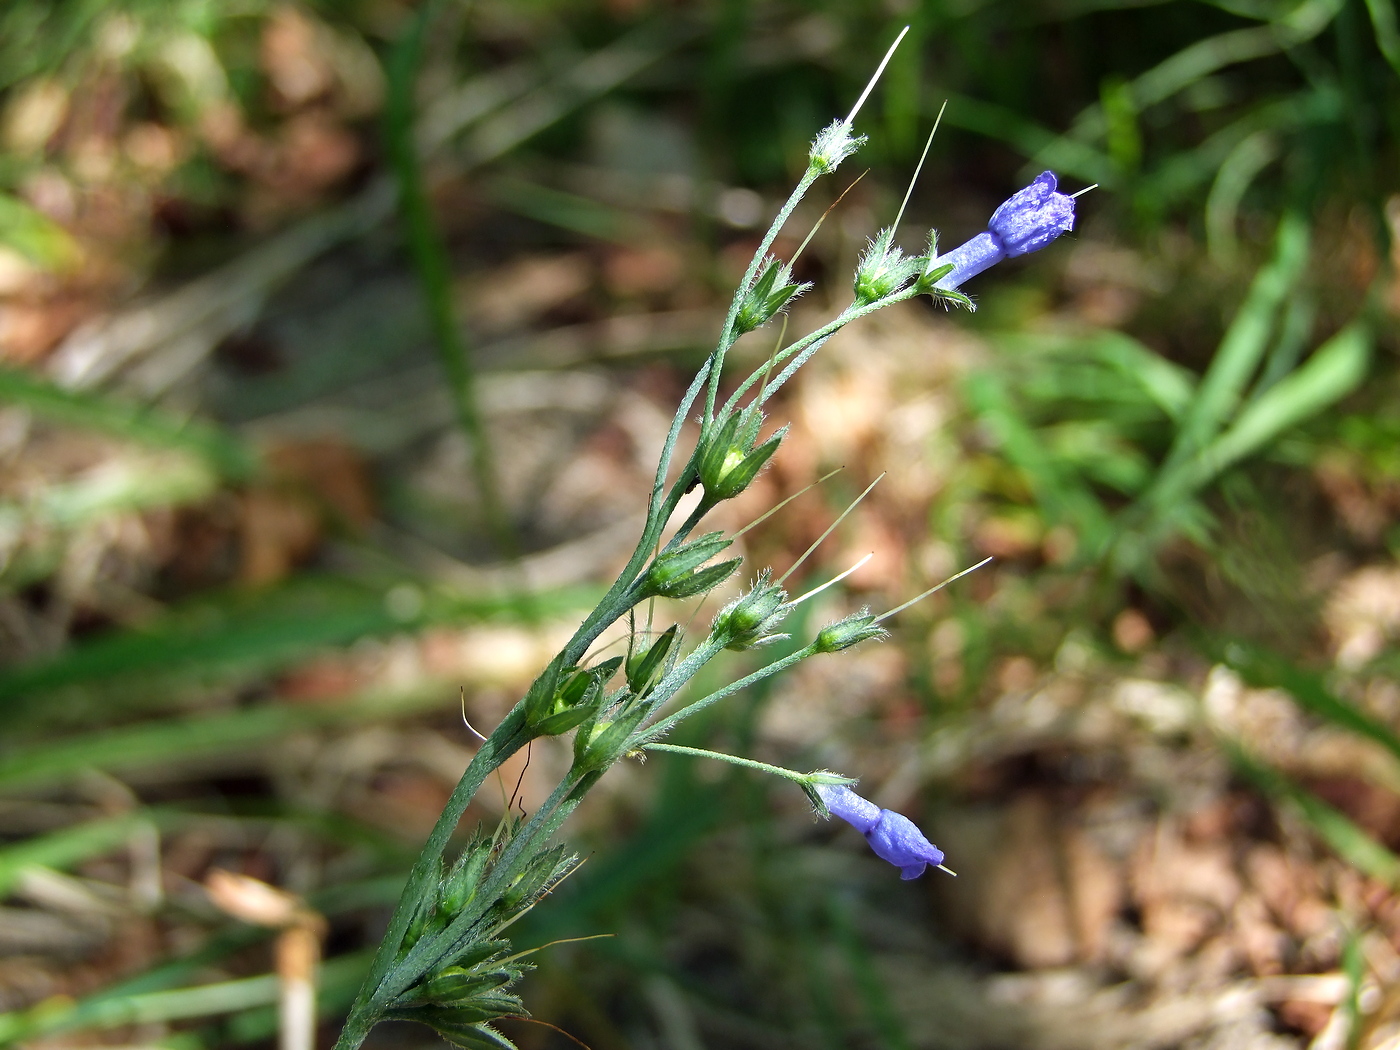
[259, 567]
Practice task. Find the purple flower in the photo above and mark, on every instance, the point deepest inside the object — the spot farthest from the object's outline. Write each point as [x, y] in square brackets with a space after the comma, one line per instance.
[1027, 222]
[893, 837]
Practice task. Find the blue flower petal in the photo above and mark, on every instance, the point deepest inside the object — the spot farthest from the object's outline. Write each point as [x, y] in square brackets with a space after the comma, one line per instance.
[891, 835]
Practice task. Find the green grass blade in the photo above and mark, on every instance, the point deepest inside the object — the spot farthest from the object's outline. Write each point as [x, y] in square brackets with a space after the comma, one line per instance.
[1242, 348]
[223, 451]
[568, 211]
[1236, 173]
[122, 485]
[255, 631]
[1344, 837]
[869, 984]
[132, 749]
[1170, 386]
[430, 259]
[209, 636]
[1260, 667]
[1334, 371]
[1065, 499]
[64, 848]
[1387, 28]
[206, 1000]
[97, 1009]
[1065, 155]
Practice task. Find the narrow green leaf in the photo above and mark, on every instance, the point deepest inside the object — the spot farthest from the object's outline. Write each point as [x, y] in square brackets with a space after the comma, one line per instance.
[35, 236]
[222, 450]
[1168, 384]
[1262, 668]
[1334, 371]
[1387, 28]
[1344, 837]
[137, 747]
[203, 1000]
[1065, 499]
[62, 849]
[1241, 350]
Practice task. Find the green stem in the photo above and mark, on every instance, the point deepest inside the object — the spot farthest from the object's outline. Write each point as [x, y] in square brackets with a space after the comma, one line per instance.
[659, 729]
[432, 951]
[431, 260]
[509, 737]
[733, 760]
[810, 344]
[727, 336]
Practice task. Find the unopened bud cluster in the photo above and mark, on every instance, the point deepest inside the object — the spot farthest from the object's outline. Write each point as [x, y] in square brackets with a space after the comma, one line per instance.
[462, 996]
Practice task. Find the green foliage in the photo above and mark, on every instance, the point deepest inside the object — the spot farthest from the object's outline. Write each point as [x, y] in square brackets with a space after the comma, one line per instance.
[33, 235]
[1256, 109]
[1121, 445]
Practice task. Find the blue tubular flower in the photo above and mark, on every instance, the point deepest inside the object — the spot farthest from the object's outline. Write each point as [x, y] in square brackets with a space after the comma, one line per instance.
[1027, 222]
[893, 837]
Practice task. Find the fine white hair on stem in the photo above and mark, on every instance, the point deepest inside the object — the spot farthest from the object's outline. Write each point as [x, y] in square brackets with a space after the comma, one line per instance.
[870, 85]
[831, 582]
[830, 529]
[932, 590]
[919, 167]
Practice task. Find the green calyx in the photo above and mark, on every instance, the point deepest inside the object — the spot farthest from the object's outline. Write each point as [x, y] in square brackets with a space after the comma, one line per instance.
[833, 144]
[598, 745]
[884, 269]
[926, 283]
[772, 292]
[752, 619]
[560, 699]
[852, 630]
[678, 573]
[730, 461]
[644, 667]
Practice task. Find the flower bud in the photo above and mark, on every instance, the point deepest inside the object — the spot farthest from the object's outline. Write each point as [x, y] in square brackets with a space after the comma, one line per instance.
[833, 144]
[460, 885]
[883, 269]
[559, 701]
[750, 620]
[771, 292]
[645, 666]
[852, 630]
[600, 745]
[456, 984]
[677, 573]
[1028, 221]
[729, 461]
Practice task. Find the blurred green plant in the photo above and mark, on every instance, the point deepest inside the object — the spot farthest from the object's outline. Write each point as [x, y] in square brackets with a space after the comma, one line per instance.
[1121, 445]
[1244, 103]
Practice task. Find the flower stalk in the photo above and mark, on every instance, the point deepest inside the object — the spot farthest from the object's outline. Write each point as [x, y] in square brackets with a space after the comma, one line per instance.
[443, 960]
